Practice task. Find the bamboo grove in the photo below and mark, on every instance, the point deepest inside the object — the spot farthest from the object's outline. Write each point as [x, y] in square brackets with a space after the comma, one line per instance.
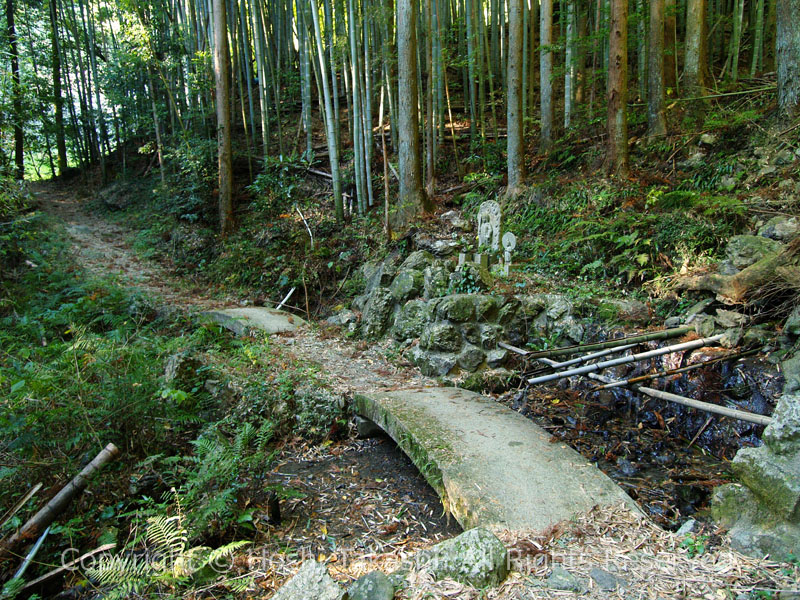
[379, 93]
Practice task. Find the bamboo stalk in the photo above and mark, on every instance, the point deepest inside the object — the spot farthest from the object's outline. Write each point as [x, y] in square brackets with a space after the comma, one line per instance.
[52, 509]
[668, 372]
[26, 563]
[71, 565]
[586, 357]
[14, 509]
[626, 359]
[637, 339]
[734, 413]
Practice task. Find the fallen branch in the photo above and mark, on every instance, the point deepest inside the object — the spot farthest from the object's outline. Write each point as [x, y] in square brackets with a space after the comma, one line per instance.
[69, 566]
[14, 509]
[52, 509]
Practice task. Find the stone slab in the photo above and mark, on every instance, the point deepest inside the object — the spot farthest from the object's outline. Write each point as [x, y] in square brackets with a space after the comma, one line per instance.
[242, 320]
[491, 466]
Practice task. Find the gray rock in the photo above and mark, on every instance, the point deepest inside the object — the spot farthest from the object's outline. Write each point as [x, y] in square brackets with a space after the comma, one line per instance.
[728, 183]
[745, 250]
[496, 358]
[730, 318]
[439, 248]
[782, 436]
[556, 306]
[476, 557]
[570, 327]
[458, 308]
[689, 526]
[791, 375]
[626, 310]
[417, 261]
[757, 336]
[606, 582]
[698, 308]
[180, 370]
[774, 478]
[343, 318]
[780, 228]
[731, 337]
[783, 158]
[486, 308]
[455, 220]
[433, 364]
[406, 285]
[471, 358]
[704, 325]
[792, 323]
[311, 581]
[490, 334]
[767, 170]
[561, 579]
[441, 336]
[436, 280]
[671, 322]
[411, 321]
[372, 586]
[376, 315]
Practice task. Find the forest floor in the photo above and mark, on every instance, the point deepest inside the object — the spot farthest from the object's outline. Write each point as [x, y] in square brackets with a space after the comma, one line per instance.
[366, 507]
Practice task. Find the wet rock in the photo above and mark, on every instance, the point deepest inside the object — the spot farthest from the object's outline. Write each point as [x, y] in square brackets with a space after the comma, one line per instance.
[561, 579]
[441, 336]
[791, 375]
[311, 581]
[606, 582]
[411, 320]
[775, 479]
[376, 315]
[782, 436]
[745, 250]
[476, 557]
[417, 261]
[436, 280]
[730, 318]
[433, 364]
[458, 308]
[496, 358]
[792, 324]
[372, 586]
[471, 358]
[780, 228]
[406, 285]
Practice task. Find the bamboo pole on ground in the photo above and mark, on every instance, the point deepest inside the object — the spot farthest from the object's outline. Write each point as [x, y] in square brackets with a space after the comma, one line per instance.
[627, 359]
[52, 509]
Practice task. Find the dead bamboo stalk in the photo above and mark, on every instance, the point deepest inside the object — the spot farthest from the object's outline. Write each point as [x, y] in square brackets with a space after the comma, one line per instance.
[626, 359]
[664, 334]
[734, 413]
[52, 509]
[14, 509]
[592, 355]
[71, 565]
[668, 372]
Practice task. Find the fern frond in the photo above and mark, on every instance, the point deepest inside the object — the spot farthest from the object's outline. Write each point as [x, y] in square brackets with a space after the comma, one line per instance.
[167, 535]
[225, 550]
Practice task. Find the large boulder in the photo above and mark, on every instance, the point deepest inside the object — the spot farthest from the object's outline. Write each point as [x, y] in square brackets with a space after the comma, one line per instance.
[372, 586]
[745, 250]
[458, 308]
[476, 557]
[433, 364]
[791, 374]
[436, 280]
[377, 312]
[311, 581]
[781, 228]
[443, 337]
[782, 436]
[417, 261]
[406, 285]
[774, 478]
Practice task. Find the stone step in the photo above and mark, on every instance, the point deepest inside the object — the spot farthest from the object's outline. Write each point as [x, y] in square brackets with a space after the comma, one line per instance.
[241, 320]
[491, 466]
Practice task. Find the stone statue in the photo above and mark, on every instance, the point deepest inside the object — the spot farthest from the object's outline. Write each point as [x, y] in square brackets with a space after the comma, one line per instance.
[489, 225]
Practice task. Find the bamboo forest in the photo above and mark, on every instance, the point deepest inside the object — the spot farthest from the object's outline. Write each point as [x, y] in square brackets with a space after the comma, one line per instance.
[403, 299]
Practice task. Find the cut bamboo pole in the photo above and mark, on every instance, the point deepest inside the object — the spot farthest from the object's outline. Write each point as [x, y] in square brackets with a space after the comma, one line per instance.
[14, 509]
[626, 359]
[734, 413]
[592, 355]
[664, 334]
[52, 509]
[26, 563]
[70, 566]
[668, 372]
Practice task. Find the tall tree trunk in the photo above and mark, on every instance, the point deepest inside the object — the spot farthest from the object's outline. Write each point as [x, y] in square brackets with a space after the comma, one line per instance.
[569, 62]
[58, 100]
[656, 122]
[16, 92]
[515, 141]
[222, 76]
[694, 75]
[758, 40]
[617, 150]
[670, 47]
[787, 54]
[412, 196]
[545, 73]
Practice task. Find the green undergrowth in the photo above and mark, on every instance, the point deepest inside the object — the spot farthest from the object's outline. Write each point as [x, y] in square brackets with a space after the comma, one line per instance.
[82, 364]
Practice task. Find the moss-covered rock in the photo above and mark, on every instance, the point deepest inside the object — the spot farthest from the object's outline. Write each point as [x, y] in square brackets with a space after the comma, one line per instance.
[476, 557]
[436, 280]
[376, 315]
[774, 478]
[458, 308]
[470, 358]
[406, 285]
[782, 436]
[411, 321]
[745, 250]
[417, 261]
[441, 336]
[433, 364]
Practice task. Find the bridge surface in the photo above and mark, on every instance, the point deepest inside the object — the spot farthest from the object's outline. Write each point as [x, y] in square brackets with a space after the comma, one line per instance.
[490, 465]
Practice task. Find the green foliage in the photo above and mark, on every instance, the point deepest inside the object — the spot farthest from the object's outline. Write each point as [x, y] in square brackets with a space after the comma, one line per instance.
[695, 545]
[14, 227]
[465, 281]
[167, 567]
[275, 186]
[189, 193]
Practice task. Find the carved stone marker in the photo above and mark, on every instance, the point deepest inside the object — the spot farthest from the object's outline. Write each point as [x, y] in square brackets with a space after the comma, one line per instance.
[489, 225]
[509, 243]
